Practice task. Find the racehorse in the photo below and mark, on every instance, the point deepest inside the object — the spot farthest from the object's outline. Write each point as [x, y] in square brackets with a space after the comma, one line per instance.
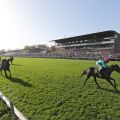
[105, 74]
[10, 59]
[5, 66]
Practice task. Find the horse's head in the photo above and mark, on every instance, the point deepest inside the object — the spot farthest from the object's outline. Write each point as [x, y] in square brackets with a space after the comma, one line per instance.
[10, 59]
[116, 68]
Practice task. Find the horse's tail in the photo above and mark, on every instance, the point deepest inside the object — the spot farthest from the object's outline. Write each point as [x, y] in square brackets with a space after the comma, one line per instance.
[84, 72]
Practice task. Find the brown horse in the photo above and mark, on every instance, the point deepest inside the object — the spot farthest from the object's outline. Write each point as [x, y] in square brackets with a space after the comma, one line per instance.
[104, 74]
[10, 59]
[5, 66]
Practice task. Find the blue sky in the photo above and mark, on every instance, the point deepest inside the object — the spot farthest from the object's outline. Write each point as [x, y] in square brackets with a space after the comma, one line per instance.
[28, 22]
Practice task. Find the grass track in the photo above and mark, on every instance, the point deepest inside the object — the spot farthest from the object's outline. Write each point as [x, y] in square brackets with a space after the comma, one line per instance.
[50, 89]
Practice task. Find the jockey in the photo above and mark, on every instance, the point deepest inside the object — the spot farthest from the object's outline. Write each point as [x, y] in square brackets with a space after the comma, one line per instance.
[102, 64]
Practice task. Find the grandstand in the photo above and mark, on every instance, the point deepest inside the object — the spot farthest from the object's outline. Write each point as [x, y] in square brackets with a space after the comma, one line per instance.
[91, 46]
[106, 40]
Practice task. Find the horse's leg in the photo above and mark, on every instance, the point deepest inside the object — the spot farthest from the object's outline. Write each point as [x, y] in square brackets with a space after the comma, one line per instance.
[9, 72]
[5, 73]
[83, 73]
[96, 81]
[88, 76]
[111, 83]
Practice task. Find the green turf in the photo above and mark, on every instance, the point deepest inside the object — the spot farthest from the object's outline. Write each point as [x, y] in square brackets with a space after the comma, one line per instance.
[51, 89]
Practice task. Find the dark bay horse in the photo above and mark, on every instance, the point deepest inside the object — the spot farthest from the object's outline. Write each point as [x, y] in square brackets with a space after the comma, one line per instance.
[105, 74]
[10, 59]
[5, 66]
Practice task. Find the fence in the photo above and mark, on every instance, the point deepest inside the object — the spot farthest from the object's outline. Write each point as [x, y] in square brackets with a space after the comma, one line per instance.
[9, 108]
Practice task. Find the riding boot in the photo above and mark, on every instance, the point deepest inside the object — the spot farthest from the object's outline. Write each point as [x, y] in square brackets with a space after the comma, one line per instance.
[101, 72]
[98, 74]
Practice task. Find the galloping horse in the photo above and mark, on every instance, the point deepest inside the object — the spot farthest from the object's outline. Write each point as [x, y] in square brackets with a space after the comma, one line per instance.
[105, 74]
[5, 66]
[11, 59]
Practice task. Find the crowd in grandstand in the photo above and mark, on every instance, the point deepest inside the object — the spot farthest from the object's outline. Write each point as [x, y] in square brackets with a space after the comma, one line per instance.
[43, 51]
[86, 55]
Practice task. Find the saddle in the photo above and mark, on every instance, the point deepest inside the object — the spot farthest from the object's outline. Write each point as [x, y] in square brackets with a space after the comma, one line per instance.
[103, 72]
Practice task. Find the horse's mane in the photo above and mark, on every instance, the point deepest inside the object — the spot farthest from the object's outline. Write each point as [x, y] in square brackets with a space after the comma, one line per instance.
[114, 65]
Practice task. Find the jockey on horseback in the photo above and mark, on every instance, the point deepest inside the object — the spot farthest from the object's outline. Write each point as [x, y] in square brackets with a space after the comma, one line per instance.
[102, 64]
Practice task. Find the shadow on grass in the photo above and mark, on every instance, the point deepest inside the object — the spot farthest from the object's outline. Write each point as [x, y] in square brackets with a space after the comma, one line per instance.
[20, 81]
[112, 91]
[16, 64]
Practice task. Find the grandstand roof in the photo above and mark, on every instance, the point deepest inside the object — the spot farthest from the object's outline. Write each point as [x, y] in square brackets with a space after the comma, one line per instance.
[97, 35]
